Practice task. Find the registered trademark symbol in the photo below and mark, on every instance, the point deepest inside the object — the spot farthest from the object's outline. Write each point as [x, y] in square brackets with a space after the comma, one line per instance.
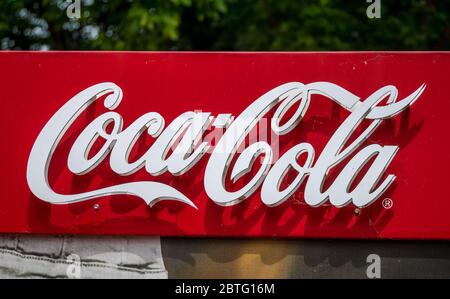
[387, 203]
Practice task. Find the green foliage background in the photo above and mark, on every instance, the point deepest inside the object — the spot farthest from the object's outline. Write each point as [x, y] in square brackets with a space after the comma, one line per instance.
[225, 25]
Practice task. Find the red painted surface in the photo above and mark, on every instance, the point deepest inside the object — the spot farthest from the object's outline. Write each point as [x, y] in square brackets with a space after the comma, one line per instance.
[35, 85]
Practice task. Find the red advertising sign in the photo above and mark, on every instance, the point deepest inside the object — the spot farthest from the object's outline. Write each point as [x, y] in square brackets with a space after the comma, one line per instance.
[335, 145]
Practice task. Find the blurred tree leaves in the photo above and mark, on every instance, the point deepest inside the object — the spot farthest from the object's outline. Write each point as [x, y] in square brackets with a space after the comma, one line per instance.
[225, 25]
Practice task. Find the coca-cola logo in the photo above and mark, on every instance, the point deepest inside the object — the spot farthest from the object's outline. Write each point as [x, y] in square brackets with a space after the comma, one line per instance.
[184, 136]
